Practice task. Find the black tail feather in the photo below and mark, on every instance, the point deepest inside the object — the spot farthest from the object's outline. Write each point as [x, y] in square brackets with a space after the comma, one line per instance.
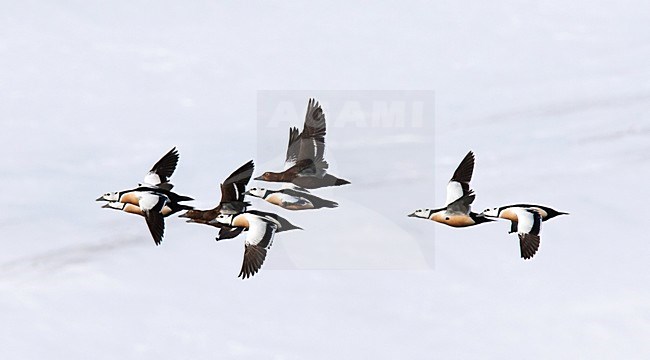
[339, 182]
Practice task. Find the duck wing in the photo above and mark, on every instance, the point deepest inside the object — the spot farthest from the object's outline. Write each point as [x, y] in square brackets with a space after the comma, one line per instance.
[459, 183]
[528, 230]
[312, 137]
[151, 205]
[162, 170]
[258, 241]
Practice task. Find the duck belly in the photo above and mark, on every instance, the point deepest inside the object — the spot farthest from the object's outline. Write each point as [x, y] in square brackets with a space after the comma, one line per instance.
[289, 202]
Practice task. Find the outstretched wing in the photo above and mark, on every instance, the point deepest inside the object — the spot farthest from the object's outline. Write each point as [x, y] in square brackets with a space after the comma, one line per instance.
[156, 224]
[234, 186]
[459, 183]
[151, 205]
[163, 169]
[528, 244]
[312, 138]
[258, 241]
[528, 229]
[293, 148]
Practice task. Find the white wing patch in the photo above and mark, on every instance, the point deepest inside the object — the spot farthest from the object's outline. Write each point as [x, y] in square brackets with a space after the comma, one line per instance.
[288, 199]
[454, 192]
[259, 229]
[148, 200]
[526, 220]
[236, 190]
[152, 179]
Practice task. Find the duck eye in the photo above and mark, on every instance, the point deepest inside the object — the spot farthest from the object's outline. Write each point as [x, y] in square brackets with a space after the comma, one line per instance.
[446, 218]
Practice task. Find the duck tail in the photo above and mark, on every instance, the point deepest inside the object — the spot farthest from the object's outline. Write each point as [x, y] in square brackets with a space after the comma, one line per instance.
[328, 204]
[183, 198]
[176, 207]
[340, 182]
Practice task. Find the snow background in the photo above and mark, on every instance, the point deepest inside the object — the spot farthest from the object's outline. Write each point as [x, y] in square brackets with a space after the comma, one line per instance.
[554, 99]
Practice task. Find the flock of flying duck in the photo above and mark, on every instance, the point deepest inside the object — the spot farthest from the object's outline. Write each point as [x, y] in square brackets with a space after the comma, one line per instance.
[305, 169]
[525, 219]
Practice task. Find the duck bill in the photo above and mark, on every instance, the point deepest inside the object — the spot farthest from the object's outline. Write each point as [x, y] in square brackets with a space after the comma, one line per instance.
[106, 206]
[259, 178]
[101, 198]
[412, 215]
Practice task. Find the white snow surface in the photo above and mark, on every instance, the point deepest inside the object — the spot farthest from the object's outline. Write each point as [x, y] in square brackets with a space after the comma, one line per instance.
[553, 97]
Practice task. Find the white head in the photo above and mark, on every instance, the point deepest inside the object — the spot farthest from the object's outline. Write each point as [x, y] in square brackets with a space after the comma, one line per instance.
[111, 196]
[493, 212]
[421, 213]
[258, 192]
[223, 219]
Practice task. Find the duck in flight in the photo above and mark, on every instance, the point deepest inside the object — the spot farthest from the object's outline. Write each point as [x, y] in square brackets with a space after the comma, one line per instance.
[507, 212]
[153, 208]
[261, 228]
[528, 228]
[134, 209]
[457, 210]
[152, 199]
[156, 180]
[305, 165]
[525, 220]
[291, 199]
[233, 191]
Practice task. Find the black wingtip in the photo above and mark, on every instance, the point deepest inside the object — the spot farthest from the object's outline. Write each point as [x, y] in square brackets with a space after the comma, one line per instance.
[172, 152]
[241, 175]
[465, 169]
[166, 166]
[294, 133]
[156, 224]
[249, 165]
[529, 245]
